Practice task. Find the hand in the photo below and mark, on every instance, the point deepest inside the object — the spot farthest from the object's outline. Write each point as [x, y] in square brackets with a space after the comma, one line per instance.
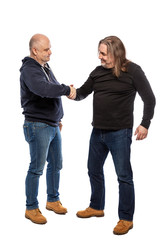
[72, 93]
[141, 132]
[60, 126]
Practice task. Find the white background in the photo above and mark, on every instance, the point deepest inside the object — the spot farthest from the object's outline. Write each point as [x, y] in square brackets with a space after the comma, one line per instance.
[75, 28]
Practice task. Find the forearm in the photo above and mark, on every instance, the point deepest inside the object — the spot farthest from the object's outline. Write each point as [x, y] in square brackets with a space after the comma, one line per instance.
[84, 90]
[39, 86]
[145, 91]
[80, 95]
[148, 112]
[54, 91]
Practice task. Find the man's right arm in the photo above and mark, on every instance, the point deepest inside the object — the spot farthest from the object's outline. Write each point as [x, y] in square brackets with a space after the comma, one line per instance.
[37, 84]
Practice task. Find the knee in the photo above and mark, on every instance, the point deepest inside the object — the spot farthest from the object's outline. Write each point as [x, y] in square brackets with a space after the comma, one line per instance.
[125, 179]
[96, 174]
[54, 168]
[35, 172]
[58, 168]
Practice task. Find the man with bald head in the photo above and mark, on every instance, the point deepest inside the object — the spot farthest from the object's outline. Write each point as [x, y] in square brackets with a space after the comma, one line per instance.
[42, 107]
[40, 48]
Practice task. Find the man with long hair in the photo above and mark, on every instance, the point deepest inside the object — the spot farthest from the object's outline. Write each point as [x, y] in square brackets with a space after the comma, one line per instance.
[115, 84]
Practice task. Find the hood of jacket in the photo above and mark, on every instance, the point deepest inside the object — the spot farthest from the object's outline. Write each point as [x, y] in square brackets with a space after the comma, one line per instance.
[28, 61]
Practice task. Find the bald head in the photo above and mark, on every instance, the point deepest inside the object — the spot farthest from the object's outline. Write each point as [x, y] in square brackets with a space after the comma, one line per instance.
[40, 48]
[36, 40]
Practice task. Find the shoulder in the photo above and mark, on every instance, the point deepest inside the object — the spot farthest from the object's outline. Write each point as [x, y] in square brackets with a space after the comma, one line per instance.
[135, 71]
[33, 69]
[99, 71]
[132, 66]
[98, 68]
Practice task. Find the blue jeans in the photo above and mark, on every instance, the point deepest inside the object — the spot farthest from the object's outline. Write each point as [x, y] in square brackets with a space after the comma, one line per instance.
[118, 144]
[45, 145]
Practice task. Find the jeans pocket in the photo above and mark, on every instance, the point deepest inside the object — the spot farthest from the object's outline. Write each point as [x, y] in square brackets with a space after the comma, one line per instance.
[28, 133]
[129, 132]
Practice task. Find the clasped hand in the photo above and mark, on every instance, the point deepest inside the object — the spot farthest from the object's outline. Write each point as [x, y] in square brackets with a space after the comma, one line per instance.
[72, 93]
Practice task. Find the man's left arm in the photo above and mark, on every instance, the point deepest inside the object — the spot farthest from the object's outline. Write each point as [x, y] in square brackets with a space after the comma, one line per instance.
[145, 91]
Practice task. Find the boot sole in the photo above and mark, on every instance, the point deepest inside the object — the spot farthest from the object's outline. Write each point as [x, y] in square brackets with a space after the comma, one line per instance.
[34, 221]
[102, 215]
[116, 233]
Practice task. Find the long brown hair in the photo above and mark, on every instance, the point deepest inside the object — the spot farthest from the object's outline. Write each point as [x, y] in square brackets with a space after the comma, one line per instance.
[117, 49]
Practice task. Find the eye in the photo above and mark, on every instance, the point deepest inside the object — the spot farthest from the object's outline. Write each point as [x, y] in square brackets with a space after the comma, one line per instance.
[102, 53]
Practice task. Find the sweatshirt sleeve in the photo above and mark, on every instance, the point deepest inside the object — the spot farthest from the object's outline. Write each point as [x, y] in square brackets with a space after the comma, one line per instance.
[85, 89]
[37, 83]
[144, 90]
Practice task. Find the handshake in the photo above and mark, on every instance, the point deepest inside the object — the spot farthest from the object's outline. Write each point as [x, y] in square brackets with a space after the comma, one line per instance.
[72, 93]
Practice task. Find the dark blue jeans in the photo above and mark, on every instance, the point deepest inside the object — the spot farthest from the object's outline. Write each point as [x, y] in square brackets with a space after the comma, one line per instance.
[118, 144]
[45, 145]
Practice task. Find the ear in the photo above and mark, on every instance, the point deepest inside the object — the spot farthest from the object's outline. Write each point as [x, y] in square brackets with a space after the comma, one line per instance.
[34, 50]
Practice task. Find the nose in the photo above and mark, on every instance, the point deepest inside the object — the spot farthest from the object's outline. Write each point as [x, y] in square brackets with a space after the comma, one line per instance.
[100, 56]
[49, 52]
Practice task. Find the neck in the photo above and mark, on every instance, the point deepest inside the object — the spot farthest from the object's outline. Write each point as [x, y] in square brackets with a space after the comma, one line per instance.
[108, 66]
[35, 58]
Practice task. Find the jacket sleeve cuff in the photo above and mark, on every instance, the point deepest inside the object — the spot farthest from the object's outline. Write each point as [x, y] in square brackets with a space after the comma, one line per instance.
[145, 123]
[67, 90]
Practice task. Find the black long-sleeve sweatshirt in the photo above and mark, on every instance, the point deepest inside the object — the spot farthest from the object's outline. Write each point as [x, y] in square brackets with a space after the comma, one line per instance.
[41, 93]
[113, 99]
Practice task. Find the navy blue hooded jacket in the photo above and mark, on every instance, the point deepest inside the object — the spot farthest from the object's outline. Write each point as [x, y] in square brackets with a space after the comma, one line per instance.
[41, 93]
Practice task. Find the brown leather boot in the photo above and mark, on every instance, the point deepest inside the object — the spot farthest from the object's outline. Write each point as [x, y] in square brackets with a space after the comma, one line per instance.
[122, 227]
[35, 216]
[90, 212]
[56, 207]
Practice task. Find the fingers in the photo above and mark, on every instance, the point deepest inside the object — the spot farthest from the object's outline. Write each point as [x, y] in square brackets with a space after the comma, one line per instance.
[141, 133]
[72, 93]
[140, 136]
[60, 126]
